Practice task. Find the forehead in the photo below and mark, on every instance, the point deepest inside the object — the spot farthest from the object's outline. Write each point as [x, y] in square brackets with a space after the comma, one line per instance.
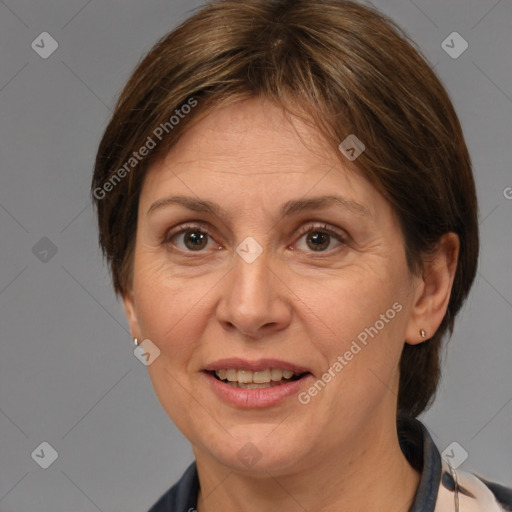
[253, 149]
[248, 130]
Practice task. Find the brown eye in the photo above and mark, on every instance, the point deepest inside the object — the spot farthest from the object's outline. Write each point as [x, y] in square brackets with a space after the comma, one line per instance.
[195, 240]
[189, 239]
[318, 241]
[320, 238]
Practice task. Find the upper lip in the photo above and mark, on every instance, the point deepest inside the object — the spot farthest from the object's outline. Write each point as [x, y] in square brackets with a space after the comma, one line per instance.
[257, 365]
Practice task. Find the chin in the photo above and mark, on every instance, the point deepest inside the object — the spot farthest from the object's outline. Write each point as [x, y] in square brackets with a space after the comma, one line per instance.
[257, 451]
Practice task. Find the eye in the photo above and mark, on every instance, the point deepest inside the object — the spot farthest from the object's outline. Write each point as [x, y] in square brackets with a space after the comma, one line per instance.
[189, 238]
[319, 238]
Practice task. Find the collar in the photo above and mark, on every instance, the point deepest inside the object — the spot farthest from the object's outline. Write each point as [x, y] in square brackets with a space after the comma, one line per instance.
[422, 453]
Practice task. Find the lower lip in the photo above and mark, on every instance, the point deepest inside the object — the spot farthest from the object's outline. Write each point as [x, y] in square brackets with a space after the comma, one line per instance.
[258, 397]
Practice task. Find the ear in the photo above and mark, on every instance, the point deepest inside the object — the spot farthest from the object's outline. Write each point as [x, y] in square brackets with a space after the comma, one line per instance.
[131, 314]
[432, 290]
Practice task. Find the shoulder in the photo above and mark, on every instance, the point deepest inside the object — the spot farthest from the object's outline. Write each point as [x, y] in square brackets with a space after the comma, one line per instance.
[182, 495]
[443, 488]
[473, 493]
[502, 494]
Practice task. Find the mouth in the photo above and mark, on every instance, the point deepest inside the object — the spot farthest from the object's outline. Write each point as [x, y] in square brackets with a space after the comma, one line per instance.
[261, 379]
[255, 384]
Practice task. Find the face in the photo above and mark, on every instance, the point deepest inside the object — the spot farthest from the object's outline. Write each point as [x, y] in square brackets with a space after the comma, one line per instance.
[256, 250]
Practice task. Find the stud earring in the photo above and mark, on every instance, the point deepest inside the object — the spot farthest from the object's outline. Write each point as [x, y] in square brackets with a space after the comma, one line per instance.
[136, 341]
[423, 334]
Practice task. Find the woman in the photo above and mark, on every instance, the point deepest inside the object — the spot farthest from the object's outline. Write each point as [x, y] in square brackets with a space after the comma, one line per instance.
[286, 202]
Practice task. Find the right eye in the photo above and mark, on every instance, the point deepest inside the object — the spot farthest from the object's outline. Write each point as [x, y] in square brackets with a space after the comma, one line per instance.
[189, 238]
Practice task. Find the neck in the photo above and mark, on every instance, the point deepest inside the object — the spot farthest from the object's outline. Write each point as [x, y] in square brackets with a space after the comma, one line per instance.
[375, 477]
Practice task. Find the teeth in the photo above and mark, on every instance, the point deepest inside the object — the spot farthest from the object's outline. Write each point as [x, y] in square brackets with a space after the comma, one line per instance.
[231, 375]
[261, 377]
[276, 374]
[258, 377]
[244, 376]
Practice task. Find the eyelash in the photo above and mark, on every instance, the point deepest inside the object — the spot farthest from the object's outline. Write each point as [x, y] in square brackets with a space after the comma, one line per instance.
[311, 228]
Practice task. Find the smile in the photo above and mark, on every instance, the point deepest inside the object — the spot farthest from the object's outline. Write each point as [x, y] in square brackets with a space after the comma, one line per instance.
[249, 379]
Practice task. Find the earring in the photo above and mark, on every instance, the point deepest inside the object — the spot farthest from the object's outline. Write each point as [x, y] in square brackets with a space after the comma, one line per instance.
[423, 334]
[136, 341]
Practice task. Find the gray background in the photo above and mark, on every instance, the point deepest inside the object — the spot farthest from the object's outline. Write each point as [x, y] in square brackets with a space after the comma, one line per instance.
[68, 375]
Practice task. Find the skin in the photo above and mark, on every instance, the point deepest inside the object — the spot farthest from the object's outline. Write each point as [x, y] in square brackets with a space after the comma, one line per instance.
[293, 303]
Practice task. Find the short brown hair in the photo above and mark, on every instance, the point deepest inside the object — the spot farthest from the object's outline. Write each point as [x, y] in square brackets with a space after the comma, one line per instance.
[346, 69]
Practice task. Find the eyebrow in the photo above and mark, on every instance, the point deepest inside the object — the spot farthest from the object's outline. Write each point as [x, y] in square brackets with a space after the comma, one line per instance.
[289, 208]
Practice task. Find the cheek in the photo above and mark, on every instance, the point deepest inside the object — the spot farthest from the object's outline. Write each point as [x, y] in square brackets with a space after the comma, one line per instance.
[352, 299]
[361, 316]
[167, 304]
[168, 309]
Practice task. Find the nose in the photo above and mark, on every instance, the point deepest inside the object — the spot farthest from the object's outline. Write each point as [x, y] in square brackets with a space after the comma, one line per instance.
[255, 300]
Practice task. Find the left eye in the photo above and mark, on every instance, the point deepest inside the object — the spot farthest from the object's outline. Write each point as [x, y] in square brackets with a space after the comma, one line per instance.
[318, 240]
